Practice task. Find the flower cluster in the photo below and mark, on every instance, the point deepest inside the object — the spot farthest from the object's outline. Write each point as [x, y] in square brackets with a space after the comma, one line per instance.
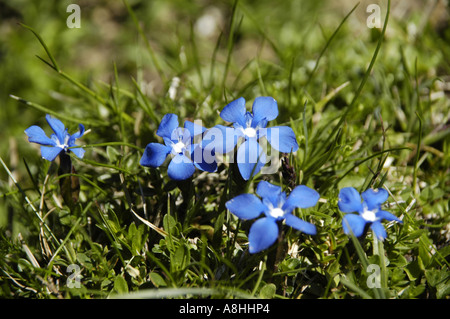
[277, 207]
[247, 127]
[193, 147]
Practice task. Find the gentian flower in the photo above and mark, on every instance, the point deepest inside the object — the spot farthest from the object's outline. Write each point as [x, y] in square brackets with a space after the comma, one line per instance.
[178, 144]
[60, 141]
[251, 127]
[276, 207]
[369, 211]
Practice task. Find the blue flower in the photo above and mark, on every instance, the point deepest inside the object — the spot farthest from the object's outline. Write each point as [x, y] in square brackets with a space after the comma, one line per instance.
[178, 144]
[251, 127]
[369, 211]
[60, 141]
[276, 207]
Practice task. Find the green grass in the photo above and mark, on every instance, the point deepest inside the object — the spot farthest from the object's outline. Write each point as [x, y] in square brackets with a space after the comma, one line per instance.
[370, 108]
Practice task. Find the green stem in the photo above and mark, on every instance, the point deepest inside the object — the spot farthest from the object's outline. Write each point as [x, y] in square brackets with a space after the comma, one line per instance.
[261, 273]
[416, 160]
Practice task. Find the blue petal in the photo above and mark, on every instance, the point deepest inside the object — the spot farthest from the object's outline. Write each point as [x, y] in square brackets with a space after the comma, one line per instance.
[234, 112]
[245, 206]
[301, 196]
[381, 214]
[76, 135]
[154, 155]
[50, 152]
[78, 151]
[349, 200]
[211, 168]
[194, 128]
[282, 138]
[168, 123]
[379, 230]
[264, 107]
[250, 158]
[57, 127]
[180, 168]
[268, 191]
[204, 156]
[300, 224]
[220, 139]
[263, 233]
[355, 223]
[37, 135]
[203, 160]
[374, 198]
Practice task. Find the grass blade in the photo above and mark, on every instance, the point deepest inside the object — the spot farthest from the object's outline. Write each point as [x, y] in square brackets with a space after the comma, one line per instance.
[316, 65]
[59, 115]
[55, 65]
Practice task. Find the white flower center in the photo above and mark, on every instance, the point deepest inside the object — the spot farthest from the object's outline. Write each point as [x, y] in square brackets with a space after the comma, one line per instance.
[179, 147]
[250, 132]
[369, 215]
[276, 212]
[64, 145]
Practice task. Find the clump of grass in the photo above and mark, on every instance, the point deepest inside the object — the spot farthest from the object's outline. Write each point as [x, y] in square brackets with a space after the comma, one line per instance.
[363, 116]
